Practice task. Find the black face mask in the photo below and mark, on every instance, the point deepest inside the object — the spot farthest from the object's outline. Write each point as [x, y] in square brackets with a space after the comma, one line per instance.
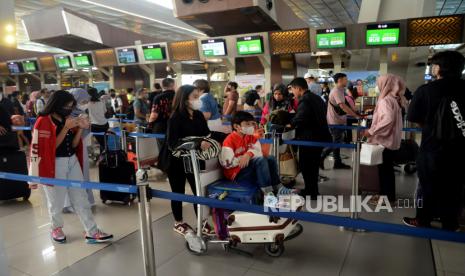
[64, 112]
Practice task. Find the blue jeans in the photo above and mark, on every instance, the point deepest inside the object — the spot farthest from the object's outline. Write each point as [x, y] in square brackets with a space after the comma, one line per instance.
[261, 170]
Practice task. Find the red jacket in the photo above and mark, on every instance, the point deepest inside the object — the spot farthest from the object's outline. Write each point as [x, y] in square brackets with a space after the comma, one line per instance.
[43, 148]
[235, 146]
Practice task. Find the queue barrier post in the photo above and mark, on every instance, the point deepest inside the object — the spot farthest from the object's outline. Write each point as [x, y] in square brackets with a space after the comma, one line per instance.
[145, 221]
[276, 149]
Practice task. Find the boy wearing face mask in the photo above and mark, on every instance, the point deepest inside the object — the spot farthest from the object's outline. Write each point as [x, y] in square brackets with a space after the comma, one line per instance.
[242, 158]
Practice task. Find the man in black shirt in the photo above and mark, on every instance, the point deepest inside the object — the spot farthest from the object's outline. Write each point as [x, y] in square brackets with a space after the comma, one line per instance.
[161, 107]
[440, 175]
[311, 125]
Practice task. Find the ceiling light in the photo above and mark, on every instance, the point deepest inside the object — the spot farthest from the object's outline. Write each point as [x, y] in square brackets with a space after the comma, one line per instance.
[9, 28]
[446, 46]
[142, 16]
[10, 39]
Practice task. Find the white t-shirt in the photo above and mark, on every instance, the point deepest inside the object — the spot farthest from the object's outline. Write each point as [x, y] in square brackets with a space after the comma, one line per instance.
[97, 113]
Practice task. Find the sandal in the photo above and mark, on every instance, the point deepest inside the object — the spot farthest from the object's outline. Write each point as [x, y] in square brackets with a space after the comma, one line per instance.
[182, 228]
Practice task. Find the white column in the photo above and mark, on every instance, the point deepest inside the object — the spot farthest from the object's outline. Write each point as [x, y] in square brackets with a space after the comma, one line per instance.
[266, 63]
[337, 61]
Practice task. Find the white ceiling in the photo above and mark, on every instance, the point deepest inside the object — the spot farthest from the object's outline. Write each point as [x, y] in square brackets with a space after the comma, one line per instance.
[447, 7]
[326, 13]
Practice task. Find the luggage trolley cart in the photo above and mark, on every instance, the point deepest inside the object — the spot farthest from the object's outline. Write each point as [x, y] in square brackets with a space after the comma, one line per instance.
[238, 227]
[147, 152]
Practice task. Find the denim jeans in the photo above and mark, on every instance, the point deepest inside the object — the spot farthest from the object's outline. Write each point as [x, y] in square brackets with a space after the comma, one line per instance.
[261, 170]
[69, 168]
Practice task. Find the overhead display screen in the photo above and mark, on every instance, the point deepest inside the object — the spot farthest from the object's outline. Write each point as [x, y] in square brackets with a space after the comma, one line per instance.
[30, 66]
[214, 47]
[83, 60]
[127, 56]
[154, 52]
[331, 38]
[250, 45]
[15, 67]
[382, 34]
[63, 62]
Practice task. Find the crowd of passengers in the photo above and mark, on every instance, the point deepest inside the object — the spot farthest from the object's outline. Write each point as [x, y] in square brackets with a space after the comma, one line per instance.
[65, 118]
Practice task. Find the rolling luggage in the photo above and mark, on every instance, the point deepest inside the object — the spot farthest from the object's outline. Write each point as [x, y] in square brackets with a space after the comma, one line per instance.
[234, 191]
[13, 161]
[115, 168]
[369, 180]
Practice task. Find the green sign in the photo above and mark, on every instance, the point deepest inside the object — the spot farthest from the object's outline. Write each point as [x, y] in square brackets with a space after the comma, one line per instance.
[30, 66]
[331, 38]
[250, 45]
[83, 60]
[63, 62]
[153, 53]
[382, 34]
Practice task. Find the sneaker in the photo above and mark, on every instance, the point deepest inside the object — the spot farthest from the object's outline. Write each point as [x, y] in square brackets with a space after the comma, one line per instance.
[286, 191]
[270, 200]
[207, 229]
[413, 222]
[341, 166]
[99, 237]
[58, 235]
[182, 228]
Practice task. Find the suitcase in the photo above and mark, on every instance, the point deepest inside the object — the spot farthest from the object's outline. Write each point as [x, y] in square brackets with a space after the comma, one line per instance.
[115, 168]
[369, 180]
[13, 161]
[124, 173]
[234, 191]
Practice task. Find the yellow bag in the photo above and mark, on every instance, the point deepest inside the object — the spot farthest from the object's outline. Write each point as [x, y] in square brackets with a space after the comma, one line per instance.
[288, 163]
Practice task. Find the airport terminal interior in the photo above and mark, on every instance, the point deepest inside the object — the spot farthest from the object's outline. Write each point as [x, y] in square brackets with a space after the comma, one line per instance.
[116, 116]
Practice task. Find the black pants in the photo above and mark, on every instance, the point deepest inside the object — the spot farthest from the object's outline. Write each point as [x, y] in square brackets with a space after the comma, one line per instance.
[387, 178]
[100, 139]
[441, 184]
[177, 178]
[338, 137]
[309, 160]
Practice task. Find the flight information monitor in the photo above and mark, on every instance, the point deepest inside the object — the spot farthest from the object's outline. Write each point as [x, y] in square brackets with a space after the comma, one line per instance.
[382, 34]
[154, 52]
[63, 62]
[30, 66]
[214, 47]
[127, 56]
[331, 38]
[250, 45]
[15, 67]
[83, 60]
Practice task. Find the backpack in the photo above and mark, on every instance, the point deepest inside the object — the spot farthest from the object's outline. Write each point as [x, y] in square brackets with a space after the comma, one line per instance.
[449, 123]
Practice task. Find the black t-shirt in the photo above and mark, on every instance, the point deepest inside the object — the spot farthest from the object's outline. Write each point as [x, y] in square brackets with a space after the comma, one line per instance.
[162, 104]
[181, 126]
[424, 106]
[5, 120]
[65, 149]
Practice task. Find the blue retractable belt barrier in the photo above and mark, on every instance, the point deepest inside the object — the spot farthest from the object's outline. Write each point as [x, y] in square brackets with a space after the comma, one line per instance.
[21, 128]
[147, 135]
[311, 144]
[71, 183]
[124, 121]
[309, 217]
[382, 227]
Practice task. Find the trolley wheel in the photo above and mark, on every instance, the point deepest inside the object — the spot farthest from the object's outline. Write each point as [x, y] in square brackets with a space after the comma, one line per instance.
[274, 249]
[410, 168]
[296, 231]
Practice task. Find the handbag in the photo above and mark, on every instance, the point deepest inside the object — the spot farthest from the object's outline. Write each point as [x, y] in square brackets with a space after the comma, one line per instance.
[288, 163]
[210, 153]
[371, 155]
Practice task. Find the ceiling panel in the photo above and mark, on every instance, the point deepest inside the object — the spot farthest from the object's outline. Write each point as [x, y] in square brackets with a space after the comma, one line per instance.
[447, 7]
[326, 13]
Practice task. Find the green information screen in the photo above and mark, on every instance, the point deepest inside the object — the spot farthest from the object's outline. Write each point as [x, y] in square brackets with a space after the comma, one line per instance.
[83, 60]
[382, 34]
[63, 62]
[153, 52]
[250, 45]
[30, 66]
[331, 38]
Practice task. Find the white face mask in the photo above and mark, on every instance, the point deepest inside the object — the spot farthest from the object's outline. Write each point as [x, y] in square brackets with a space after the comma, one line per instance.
[195, 104]
[83, 107]
[248, 130]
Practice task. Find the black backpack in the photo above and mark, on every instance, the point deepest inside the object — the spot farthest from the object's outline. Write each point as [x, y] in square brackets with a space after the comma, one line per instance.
[449, 123]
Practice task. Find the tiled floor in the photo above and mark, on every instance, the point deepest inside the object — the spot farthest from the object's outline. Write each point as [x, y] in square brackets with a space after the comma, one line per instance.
[320, 250]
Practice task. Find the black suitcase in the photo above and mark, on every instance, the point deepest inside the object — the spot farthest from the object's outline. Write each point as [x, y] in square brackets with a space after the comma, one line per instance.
[13, 161]
[407, 155]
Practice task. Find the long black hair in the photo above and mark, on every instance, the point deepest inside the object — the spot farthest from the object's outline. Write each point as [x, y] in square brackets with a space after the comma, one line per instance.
[180, 103]
[58, 100]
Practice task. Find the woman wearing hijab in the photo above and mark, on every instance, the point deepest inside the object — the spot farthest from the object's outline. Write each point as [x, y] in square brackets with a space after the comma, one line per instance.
[82, 99]
[386, 130]
[280, 100]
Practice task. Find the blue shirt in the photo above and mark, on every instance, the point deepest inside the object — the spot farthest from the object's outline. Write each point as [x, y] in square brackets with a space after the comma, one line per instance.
[209, 104]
